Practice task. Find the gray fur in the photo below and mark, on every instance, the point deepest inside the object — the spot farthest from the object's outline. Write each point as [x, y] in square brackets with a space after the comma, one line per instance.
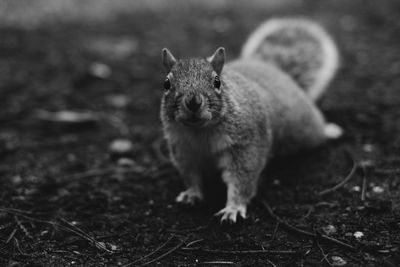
[259, 112]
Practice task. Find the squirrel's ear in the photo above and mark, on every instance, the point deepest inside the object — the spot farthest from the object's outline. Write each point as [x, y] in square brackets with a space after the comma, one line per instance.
[168, 59]
[217, 60]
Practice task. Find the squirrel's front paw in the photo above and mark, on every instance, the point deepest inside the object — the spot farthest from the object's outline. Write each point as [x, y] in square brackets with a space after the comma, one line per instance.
[189, 197]
[230, 213]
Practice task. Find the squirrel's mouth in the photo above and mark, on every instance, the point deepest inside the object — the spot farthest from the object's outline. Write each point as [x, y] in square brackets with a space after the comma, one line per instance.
[194, 122]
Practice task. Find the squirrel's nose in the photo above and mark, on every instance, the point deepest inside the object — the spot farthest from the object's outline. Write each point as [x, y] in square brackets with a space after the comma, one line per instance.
[193, 103]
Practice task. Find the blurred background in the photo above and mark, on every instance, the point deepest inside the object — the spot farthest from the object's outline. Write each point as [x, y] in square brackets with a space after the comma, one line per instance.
[81, 141]
[33, 13]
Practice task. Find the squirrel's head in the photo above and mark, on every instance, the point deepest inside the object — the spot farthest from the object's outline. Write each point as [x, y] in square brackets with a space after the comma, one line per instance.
[193, 89]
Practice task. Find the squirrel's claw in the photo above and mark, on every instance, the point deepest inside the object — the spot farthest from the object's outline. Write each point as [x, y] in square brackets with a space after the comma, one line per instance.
[230, 213]
[189, 197]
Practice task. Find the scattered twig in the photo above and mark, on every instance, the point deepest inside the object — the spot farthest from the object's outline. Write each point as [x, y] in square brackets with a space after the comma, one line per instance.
[11, 235]
[83, 234]
[215, 251]
[78, 232]
[366, 167]
[309, 211]
[364, 186]
[194, 242]
[325, 255]
[166, 253]
[151, 253]
[342, 183]
[18, 211]
[274, 233]
[117, 123]
[270, 262]
[18, 247]
[4, 226]
[306, 233]
[22, 227]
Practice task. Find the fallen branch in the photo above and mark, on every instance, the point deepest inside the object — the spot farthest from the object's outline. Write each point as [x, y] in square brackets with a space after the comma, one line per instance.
[306, 233]
[342, 183]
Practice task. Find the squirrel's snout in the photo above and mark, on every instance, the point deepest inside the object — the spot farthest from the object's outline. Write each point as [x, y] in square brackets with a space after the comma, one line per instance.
[193, 103]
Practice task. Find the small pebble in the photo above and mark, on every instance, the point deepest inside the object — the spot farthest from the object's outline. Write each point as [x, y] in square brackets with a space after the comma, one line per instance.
[358, 234]
[67, 116]
[121, 146]
[329, 229]
[125, 162]
[100, 70]
[378, 189]
[356, 188]
[367, 163]
[114, 48]
[368, 148]
[42, 233]
[276, 182]
[338, 261]
[16, 179]
[118, 101]
[116, 198]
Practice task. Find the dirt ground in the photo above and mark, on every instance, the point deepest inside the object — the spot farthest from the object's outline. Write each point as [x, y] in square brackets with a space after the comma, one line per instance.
[66, 200]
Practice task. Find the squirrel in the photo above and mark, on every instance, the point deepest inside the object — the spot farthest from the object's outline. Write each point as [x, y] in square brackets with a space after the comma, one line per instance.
[234, 117]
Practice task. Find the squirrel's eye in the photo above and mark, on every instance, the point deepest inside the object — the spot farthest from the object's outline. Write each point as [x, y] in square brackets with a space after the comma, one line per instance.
[217, 82]
[167, 84]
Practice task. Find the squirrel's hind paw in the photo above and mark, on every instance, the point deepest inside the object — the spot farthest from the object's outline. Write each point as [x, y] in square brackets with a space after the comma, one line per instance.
[333, 131]
[230, 213]
[189, 197]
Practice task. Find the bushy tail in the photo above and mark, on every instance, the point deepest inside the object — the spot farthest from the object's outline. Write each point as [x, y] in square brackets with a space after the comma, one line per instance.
[300, 47]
